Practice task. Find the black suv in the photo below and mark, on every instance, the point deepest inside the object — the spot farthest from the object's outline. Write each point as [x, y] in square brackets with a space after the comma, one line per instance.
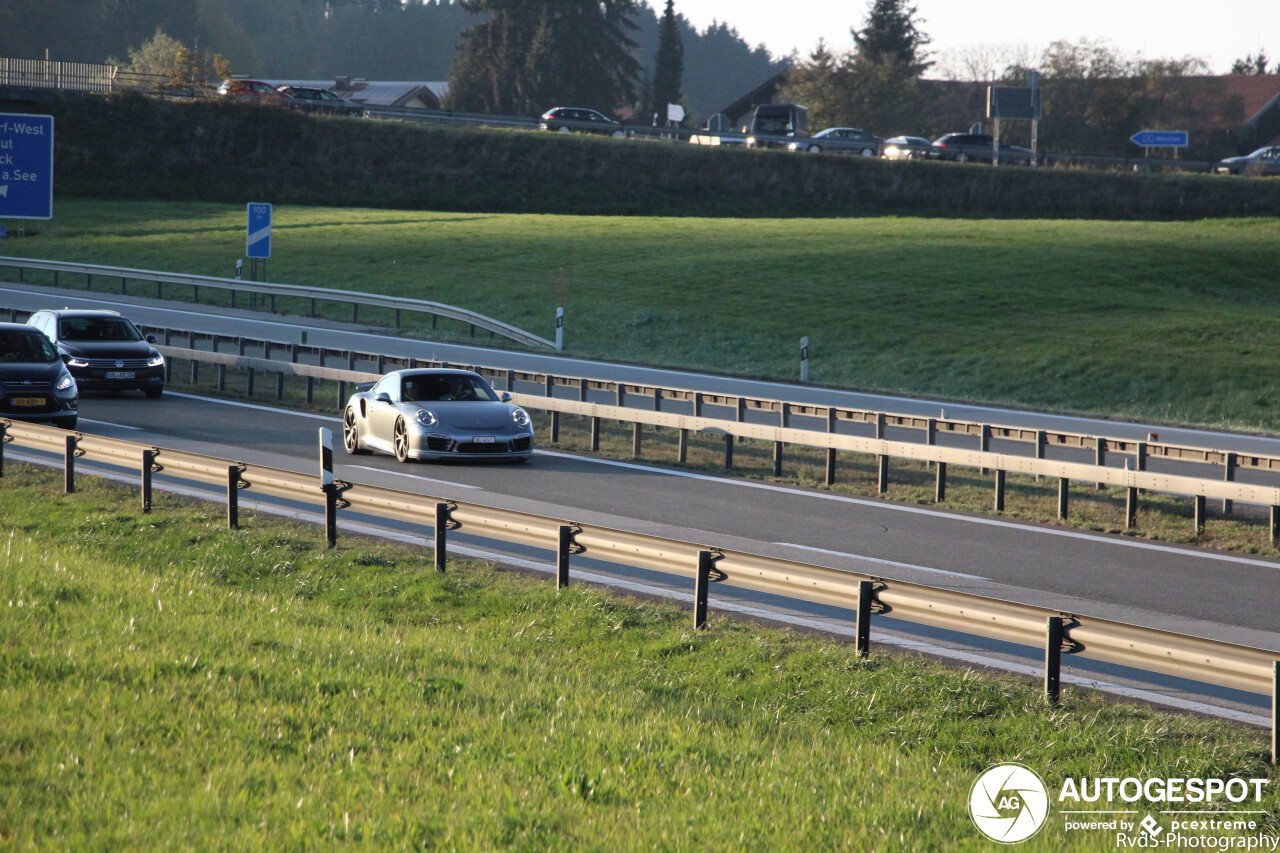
[34, 383]
[978, 148]
[104, 351]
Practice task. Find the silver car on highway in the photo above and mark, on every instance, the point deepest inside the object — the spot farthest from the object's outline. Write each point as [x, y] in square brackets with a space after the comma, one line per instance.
[434, 414]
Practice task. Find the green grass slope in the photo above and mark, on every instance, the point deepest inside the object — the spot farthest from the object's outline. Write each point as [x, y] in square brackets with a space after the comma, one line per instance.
[1167, 321]
[166, 683]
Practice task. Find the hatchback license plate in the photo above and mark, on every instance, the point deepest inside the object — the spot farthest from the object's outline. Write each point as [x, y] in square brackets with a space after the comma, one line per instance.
[121, 374]
[28, 401]
[483, 439]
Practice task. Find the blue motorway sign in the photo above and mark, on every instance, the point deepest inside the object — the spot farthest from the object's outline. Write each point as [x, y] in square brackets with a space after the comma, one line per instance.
[258, 242]
[1161, 138]
[26, 166]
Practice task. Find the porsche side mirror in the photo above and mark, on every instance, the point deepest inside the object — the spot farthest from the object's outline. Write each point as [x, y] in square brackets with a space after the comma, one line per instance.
[383, 397]
[506, 397]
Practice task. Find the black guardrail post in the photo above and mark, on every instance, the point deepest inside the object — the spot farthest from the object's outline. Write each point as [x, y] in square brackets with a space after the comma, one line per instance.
[701, 582]
[563, 549]
[4, 436]
[1053, 660]
[1199, 515]
[69, 464]
[1064, 491]
[862, 642]
[940, 484]
[998, 505]
[148, 466]
[233, 496]
[1275, 523]
[1275, 713]
[441, 534]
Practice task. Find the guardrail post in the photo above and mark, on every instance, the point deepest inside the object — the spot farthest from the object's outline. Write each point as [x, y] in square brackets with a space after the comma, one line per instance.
[233, 496]
[862, 641]
[1199, 515]
[1275, 713]
[595, 433]
[701, 583]
[195, 370]
[984, 440]
[882, 473]
[1228, 475]
[555, 427]
[1053, 660]
[829, 475]
[728, 451]
[441, 534]
[4, 436]
[69, 464]
[1100, 456]
[563, 549]
[1064, 489]
[999, 501]
[682, 446]
[148, 465]
[1040, 442]
[940, 486]
[1275, 523]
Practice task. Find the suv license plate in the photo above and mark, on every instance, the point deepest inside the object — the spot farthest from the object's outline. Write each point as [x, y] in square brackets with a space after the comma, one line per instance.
[483, 439]
[121, 374]
[35, 401]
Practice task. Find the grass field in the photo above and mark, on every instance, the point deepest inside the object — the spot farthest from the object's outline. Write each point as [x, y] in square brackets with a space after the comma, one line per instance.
[165, 683]
[1169, 322]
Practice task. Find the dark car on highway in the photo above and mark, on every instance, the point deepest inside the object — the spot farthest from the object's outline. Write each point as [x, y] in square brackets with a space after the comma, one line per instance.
[311, 100]
[34, 383]
[104, 351]
[1264, 161]
[843, 140]
[978, 148]
[580, 120]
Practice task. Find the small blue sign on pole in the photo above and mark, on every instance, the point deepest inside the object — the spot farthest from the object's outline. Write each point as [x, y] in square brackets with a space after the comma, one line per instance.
[26, 166]
[1161, 138]
[258, 242]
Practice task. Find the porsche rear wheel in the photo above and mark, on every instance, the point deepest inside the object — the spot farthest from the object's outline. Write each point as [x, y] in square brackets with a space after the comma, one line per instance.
[401, 441]
[351, 433]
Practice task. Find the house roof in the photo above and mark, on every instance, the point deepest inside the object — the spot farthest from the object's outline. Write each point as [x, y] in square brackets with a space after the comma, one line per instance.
[1256, 91]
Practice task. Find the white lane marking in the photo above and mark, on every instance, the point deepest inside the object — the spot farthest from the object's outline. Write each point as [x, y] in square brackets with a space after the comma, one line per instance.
[415, 477]
[916, 510]
[838, 628]
[882, 561]
[255, 407]
[106, 423]
[826, 496]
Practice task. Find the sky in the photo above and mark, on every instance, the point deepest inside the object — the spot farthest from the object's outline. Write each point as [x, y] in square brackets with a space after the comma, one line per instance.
[1218, 32]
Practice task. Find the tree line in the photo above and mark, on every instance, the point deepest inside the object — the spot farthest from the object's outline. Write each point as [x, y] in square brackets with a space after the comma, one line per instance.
[565, 47]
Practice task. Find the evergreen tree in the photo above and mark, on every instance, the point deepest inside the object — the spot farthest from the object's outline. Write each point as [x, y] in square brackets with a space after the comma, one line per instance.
[1252, 64]
[531, 55]
[891, 38]
[668, 65]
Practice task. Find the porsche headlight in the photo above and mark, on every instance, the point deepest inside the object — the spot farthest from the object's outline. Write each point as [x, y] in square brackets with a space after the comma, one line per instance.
[426, 418]
[65, 382]
[521, 417]
[156, 360]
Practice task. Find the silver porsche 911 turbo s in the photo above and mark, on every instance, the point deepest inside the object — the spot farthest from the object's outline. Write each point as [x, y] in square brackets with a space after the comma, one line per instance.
[432, 414]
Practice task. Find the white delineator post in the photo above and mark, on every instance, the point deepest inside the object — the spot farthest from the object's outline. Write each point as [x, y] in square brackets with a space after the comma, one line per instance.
[804, 359]
[327, 486]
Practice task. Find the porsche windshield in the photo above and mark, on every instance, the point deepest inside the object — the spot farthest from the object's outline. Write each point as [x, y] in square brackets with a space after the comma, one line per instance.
[445, 388]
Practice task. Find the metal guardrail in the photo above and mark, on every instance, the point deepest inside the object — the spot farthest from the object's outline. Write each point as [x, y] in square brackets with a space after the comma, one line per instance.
[1151, 650]
[313, 294]
[657, 402]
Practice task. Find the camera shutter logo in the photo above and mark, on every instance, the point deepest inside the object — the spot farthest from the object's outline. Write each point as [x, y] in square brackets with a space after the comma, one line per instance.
[1009, 803]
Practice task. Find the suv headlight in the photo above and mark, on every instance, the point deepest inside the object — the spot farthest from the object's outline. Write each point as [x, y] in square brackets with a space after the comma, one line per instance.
[156, 360]
[521, 417]
[77, 361]
[426, 418]
[65, 381]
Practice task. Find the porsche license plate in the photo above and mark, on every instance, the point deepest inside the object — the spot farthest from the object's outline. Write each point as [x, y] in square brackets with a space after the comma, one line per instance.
[35, 401]
[483, 439]
[121, 374]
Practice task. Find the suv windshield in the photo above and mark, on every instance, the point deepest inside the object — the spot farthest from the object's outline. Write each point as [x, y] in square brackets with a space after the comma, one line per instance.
[97, 329]
[18, 347]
